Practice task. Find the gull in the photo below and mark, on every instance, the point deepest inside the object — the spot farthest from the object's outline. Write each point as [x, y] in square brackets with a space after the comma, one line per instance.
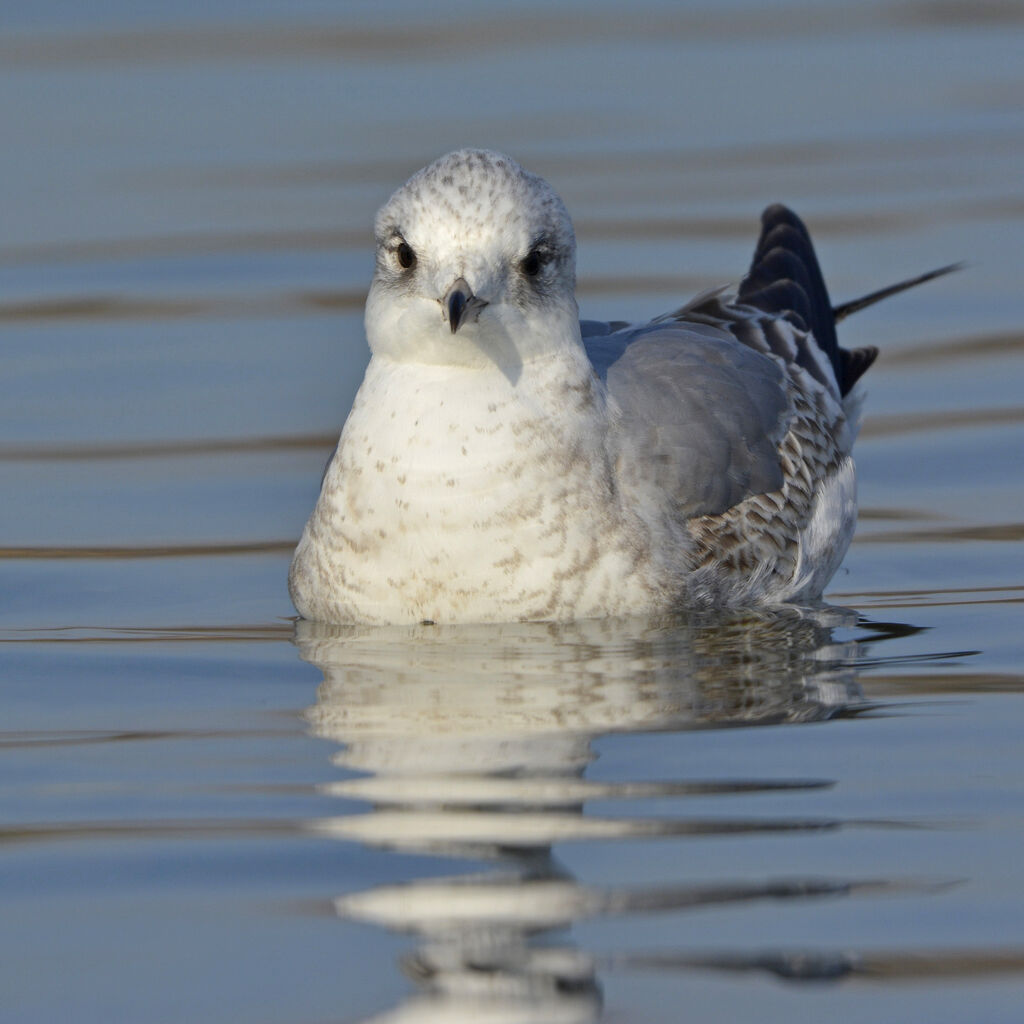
[504, 461]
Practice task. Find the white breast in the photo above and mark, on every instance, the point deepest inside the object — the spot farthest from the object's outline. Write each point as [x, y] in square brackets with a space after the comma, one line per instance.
[460, 496]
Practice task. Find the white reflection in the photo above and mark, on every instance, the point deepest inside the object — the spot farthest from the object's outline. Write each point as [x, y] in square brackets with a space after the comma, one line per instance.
[472, 742]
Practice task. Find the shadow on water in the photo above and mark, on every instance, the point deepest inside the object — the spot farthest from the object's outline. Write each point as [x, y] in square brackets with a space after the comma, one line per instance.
[473, 743]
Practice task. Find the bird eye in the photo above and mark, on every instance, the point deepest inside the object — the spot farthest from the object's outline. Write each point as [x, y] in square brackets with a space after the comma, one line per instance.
[532, 263]
[406, 257]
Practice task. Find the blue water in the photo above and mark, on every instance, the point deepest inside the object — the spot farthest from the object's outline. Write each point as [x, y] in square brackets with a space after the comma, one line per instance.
[208, 815]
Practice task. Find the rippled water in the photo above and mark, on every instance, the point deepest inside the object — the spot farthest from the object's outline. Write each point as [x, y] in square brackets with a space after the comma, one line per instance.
[207, 814]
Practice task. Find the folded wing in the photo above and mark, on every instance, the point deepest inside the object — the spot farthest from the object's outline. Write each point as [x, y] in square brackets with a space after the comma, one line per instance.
[732, 409]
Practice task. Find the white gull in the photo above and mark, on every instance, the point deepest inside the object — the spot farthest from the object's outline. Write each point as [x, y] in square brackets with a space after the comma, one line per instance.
[503, 461]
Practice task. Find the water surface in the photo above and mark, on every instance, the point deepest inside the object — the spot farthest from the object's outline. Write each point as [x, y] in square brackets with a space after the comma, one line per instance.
[207, 814]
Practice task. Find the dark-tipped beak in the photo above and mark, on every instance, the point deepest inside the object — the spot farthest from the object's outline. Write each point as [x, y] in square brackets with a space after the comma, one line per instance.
[460, 305]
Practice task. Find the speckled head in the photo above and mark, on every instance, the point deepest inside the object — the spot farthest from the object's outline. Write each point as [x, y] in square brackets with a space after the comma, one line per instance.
[476, 260]
[466, 196]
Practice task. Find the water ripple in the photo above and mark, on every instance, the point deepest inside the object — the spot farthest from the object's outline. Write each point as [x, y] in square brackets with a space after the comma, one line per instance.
[472, 742]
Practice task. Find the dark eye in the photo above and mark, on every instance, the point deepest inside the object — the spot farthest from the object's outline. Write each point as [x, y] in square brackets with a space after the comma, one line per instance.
[532, 263]
[406, 257]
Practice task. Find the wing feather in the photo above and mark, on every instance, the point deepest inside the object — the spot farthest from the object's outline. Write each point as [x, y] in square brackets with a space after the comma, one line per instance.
[734, 417]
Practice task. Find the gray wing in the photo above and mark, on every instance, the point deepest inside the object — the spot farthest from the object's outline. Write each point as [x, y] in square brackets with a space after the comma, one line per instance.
[712, 395]
[701, 411]
[724, 433]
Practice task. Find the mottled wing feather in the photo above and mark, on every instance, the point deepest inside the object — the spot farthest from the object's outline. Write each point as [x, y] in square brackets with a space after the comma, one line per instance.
[759, 536]
[737, 415]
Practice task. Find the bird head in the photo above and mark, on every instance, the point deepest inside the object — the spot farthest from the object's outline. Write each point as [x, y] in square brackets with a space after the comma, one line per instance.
[475, 266]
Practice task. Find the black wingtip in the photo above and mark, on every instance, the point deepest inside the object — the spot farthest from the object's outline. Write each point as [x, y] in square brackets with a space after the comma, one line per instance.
[856, 362]
[854, 306]
[785, 280]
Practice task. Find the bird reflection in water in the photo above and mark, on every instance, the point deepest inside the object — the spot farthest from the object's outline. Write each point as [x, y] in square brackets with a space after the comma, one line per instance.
[472, 742]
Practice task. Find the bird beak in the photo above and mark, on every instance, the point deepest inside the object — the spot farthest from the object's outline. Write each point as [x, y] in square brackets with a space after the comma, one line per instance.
[460, 305]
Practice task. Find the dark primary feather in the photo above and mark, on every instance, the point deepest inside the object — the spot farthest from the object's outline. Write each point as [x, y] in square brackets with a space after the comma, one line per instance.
[844, 310]
[785, 280]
